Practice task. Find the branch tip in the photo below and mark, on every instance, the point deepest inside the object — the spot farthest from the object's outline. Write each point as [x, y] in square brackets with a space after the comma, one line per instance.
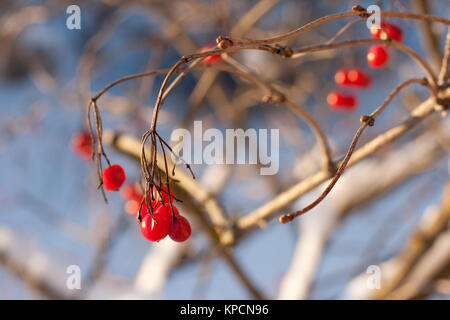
[286, 218]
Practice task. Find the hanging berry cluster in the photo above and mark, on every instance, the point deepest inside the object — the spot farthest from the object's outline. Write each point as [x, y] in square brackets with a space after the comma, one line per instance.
[153, 227]
[157, 219]
[163, 222]
[377, 57]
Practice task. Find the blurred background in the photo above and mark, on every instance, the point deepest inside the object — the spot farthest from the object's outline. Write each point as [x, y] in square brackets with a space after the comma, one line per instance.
[52, 216]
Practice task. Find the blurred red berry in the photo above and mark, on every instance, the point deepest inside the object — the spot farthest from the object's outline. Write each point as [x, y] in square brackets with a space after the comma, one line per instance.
[393, 31]
[132, 207]
[113, 177]
[210, 60]
[341, 77]
[352, 77]
[335, 99]
[180, 229]
[377, 57]
[338, 100]
[350, 103]
[82, 145]
[358, 77]
[156, 230]
[131, 192]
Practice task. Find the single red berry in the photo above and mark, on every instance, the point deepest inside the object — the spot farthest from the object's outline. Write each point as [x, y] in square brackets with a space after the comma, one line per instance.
[357, 77]
[156, 230]
[338, 100]
[180, 229]
[341, 77]
[335, 99]
[82, 145]
[392, 30]
[113, 177]
[210, 60]
[132, 207]
[164, 194]
[131, 192]
[377, 56]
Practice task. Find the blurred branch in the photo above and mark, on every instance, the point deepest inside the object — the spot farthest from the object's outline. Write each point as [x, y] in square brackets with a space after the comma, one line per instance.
[428, 230]
[277, 96]
[396, 270]
[362, 185]
[268, 210]
[26, 271]
[247, 20]
[444, 73]
[434, 266]
[429, 39]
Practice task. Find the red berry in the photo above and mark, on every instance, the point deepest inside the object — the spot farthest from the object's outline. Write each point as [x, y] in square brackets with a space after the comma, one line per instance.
[156, 230]
[335, 99]
[210, 60]
[131, 192]
[352, 77]
[338, 100]
[358, 77]
[180, 229]
[341, 77]
[164, 194]
[392, 30]
[113, 177]
[82, 145]
[132, 207]
[350, 103]
[377, 56]
[157, 206]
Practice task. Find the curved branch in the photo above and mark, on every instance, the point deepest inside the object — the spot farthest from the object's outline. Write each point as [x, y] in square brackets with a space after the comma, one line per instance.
[350, 43]
[367, 121]
[332, 17]
[277, 96]
[269, 209]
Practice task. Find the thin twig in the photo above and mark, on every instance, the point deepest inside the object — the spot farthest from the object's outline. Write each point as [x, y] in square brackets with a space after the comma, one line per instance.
[277, 96]
[322, 20]
[444, 73]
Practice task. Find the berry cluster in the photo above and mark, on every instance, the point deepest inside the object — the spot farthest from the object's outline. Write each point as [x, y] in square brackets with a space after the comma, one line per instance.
[163, 222]
[348, 78]
[338, 100]
[377, 57]
[166, 219]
